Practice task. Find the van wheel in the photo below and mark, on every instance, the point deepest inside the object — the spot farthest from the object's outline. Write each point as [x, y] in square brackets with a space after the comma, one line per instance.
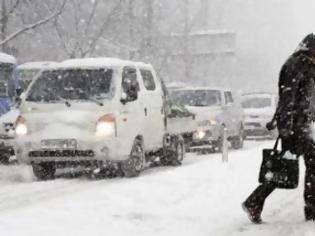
[135, 164]
[175, 153]
[44, 171]
[238, 141]
[4, 159]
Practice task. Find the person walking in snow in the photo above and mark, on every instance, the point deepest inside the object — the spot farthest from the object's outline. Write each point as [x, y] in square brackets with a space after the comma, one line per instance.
[294, 117]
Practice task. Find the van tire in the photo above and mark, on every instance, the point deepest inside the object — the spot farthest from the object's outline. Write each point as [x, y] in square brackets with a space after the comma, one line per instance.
[4, 159]
[175, 153]
[135, 164]
[44, 171]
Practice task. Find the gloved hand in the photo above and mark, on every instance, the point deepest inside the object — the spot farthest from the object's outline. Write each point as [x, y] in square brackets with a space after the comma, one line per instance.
[271, 125]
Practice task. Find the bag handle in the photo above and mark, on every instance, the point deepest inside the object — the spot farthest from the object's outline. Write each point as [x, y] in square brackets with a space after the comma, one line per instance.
[276, 144]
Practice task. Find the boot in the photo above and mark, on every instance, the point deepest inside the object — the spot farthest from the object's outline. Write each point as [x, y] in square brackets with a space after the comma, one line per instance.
[254, 213]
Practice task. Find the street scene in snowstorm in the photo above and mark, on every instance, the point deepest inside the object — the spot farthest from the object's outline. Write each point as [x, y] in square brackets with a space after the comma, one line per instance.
[157, 117]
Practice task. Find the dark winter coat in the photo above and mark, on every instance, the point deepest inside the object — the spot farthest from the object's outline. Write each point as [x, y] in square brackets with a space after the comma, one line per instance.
[296, 108]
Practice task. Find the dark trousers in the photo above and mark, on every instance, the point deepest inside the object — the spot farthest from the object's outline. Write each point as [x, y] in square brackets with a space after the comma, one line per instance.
[257, 198]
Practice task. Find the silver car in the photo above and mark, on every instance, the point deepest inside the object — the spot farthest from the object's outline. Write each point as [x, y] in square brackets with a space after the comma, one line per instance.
[216, 109]
[259, 109]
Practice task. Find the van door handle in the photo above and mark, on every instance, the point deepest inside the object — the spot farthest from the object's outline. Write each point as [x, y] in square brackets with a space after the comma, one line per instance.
[145, 111]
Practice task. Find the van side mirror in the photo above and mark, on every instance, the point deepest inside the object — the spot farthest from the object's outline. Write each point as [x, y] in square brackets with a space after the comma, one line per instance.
[19, 99]
[130, 93]
[19, 91]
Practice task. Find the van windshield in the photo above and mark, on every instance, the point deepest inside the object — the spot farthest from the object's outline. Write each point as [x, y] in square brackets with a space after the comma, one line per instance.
[27, 76]
[198, 98]
[256, 102]
[74, 84]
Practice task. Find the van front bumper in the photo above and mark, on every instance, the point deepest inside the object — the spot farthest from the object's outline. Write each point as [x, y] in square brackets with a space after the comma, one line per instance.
[108, 150]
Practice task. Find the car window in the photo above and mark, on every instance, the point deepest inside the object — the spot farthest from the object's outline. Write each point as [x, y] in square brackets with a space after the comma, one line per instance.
[257, 102]
[198, 98]
[148, 80]
[228, 97]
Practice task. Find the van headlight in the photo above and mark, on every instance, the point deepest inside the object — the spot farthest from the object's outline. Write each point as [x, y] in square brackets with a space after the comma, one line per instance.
[106, 126]
[20, 126]
[213, 122]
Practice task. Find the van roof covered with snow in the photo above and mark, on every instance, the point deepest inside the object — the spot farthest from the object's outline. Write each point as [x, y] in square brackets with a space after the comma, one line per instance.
[6, 58]
[203, 88]
[258, 94]
[37, 65]
[99, 62]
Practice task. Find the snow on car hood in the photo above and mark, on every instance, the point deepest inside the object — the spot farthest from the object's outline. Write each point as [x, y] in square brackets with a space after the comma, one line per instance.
[205, 113]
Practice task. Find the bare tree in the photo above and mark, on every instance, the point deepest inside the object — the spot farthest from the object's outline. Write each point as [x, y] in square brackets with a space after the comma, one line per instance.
[8, 9]
[84, 26]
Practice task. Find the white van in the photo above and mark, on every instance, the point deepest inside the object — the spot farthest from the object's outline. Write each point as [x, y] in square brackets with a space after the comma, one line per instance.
[98, 113]
[259, 109]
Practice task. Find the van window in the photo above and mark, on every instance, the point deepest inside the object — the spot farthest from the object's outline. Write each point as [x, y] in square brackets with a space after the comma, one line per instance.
[148, 80]
[257, 102]
[228, 97]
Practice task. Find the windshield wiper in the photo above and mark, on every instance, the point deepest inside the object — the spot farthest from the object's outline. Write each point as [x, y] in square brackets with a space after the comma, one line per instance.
[89, 98]
[68, 104]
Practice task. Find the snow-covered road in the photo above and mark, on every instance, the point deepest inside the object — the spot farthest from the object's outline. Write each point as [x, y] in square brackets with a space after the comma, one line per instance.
[202, 197]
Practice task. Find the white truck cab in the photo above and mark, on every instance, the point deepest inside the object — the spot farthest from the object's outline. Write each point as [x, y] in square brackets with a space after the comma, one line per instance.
[96, 112]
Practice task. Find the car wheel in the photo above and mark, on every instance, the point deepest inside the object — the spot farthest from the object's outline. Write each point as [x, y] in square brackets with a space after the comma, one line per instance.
[4, 159]
[175, 153]
[238, 141]
[135, 164]
[44, 171]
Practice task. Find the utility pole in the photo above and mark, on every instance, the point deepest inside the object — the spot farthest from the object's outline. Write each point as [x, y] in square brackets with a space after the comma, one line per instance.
[186, 43]
[149, 22]
[131, 29]
[205, 13]
[4, 24]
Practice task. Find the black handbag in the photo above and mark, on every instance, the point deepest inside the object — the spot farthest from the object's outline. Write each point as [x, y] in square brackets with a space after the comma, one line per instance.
[280, 168]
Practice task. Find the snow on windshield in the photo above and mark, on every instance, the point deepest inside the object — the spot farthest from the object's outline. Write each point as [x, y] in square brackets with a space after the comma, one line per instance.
[52, 86]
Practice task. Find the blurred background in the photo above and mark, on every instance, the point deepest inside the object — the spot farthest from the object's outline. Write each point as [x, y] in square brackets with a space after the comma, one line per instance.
[233, 43]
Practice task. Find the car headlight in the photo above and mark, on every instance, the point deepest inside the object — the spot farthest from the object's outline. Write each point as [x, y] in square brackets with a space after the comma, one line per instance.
[20, 126]
[106, 126]
[200, 134]
[213, 122]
